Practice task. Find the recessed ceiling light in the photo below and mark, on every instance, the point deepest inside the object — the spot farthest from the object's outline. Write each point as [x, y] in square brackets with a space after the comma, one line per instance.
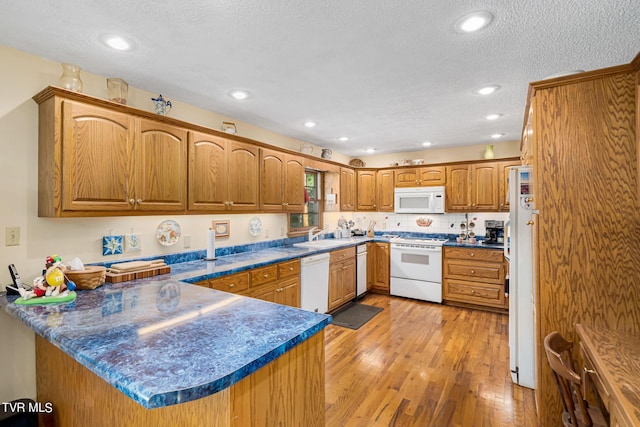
[343, 138]
[310, 124]
[427, 143]
[239, 94]
[116, 42]
[486, 90]
[473, 22]
[497, 135]
[370, 150]
[493, 116]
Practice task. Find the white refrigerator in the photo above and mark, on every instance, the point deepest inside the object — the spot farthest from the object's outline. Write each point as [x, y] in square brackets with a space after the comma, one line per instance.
[519, 251]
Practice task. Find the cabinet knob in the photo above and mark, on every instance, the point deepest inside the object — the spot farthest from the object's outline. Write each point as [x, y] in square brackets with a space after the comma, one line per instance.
[265, 275]
[472, 254]
[290, 268]
[473, 291]
[139, 201]
[230, 203]
[132, 201]
[232, 285]
[528, 199]
[473, 272]
[530, 222]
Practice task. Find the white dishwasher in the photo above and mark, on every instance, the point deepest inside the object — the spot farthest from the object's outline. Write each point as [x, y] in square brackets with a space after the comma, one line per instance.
[314, 289]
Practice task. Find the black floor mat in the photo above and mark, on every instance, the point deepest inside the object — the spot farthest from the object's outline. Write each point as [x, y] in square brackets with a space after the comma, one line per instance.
[355, 315]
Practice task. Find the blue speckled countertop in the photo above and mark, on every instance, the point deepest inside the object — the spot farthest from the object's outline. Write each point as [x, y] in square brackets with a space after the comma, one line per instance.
[162, 341]
[168, 342]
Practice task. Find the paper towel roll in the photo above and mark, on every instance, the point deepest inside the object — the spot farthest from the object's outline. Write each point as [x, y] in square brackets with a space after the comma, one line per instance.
[211, 244]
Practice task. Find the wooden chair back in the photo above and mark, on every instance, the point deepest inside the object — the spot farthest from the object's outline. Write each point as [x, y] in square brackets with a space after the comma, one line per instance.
[559, 355]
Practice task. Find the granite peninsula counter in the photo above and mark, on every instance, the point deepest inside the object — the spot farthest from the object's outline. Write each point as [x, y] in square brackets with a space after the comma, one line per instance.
[186, 354]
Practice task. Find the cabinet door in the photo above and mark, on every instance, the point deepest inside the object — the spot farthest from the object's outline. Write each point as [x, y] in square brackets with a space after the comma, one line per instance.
[349, 280]
[503, 184]
[347, 189]
[406, 177]
[335, 285]
[484, 187]
[272, 180]
[288, 293]
[98, 158]
[432, 175]
[265, 293]
[243, 182]
[293, 184]
[366, 190]
[371, 264]
[161, 167]
[384, 190]
[457, 188]
[381, 267]
[208, 172]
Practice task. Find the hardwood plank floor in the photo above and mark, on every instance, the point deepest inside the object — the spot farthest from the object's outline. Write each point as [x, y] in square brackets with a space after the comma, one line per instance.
[423, 364]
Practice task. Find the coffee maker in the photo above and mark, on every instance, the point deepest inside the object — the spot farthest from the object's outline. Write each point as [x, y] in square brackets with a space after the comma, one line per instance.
[494, 232]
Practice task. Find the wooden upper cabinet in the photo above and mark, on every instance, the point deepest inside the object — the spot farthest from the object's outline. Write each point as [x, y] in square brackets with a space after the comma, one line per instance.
[223, 174]
[472, 187]
[384, 190]
[282, 181]
[161, 168]
[111, 162]
[420, 177]
[366, 190]
[347, 189]
[98, 161]
[457, 191]
[484, 187]
[503, 183]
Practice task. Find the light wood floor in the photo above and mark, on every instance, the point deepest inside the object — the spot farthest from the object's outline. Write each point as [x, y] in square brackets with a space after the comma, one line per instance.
[423, 364]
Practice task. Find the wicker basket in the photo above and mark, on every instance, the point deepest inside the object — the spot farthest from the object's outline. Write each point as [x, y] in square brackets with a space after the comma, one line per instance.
[89, 278]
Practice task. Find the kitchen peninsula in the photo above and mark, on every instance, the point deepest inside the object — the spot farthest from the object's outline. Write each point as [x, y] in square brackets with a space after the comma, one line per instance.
[163, 352]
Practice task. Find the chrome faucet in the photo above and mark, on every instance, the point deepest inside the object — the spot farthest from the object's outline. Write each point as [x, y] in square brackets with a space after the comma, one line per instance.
[316, 236]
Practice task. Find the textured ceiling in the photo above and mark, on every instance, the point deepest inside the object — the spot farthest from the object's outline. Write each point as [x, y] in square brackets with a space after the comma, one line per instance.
[389, 74]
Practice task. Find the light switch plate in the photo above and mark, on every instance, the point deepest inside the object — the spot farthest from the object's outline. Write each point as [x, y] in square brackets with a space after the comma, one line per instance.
[12, 237]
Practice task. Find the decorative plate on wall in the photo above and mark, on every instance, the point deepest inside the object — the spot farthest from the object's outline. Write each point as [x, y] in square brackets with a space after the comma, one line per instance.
[168, 233]
[255, 226]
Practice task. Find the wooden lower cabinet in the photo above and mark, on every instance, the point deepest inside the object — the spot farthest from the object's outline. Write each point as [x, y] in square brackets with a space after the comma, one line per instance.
[474, 277]
[378, 267]
[342, 277]
[279, 283]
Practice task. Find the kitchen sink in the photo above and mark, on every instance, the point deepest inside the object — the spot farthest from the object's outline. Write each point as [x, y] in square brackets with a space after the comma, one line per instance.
[324, 244]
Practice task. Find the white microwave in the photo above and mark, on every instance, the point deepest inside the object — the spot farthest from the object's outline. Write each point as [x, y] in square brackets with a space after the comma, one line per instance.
[419, 200]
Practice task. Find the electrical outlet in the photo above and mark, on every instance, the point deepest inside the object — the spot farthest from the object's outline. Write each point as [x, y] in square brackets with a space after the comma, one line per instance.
[12, 237]
[187, 241]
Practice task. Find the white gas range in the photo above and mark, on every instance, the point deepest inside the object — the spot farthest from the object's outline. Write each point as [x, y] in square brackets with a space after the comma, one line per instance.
[416, 268]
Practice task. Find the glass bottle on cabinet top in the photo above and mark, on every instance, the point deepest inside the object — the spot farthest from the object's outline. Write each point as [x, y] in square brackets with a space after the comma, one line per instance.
[70, 78]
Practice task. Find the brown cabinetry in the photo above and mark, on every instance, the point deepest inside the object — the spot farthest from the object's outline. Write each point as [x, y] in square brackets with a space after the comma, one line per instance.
[342, 277]
[474, 276]
[378, 267]
[223, 174]
[472, 187]
[503, 184]
[282, 182]
[94, 161]
[347, 189]
[279, 283]
[375, 190]
[420, 177]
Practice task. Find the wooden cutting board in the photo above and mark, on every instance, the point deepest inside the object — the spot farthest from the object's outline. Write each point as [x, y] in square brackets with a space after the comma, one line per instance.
[138, 274]
[136, 265]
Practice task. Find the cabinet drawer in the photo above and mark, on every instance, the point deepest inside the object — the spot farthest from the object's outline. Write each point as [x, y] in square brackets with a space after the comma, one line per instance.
[472, 254]
[260, 276]
[474, 293]
[289, 269]
[232, 283]
[342, 254]
[591, 376]
[484, 272]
